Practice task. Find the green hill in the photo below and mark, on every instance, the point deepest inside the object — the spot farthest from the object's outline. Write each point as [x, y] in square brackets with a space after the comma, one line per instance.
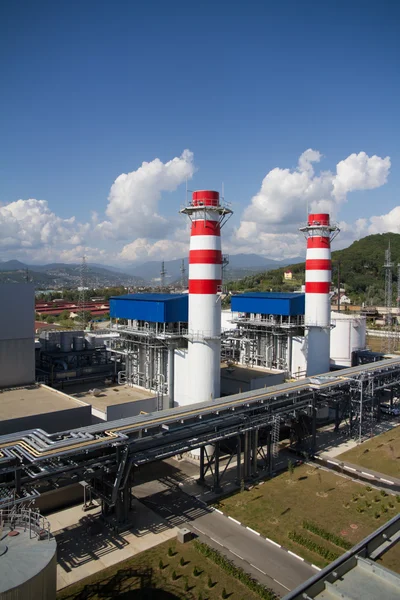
[361, 271]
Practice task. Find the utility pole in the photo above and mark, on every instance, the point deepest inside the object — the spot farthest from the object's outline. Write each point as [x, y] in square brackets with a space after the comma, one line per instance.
[338, 286]
[183, 274]
[162, 276]
[82, 292]
[387, 340]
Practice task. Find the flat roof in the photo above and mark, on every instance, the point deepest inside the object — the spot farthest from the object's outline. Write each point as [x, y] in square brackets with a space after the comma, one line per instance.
[33, 400]
[109, 396]
[149, 297]
[241, 373]
[270, 295]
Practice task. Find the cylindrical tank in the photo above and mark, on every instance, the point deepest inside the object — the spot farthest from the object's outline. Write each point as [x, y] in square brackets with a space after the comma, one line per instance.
[78, 343]
[65, 341]
[28, 560]
[348, 335]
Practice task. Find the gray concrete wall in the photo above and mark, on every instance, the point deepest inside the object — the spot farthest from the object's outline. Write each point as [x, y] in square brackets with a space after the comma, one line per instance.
[17, 362]
[61, 420]
[268, 380]
[131, 409]
[57, 499]
[17, 345]
[236, 386]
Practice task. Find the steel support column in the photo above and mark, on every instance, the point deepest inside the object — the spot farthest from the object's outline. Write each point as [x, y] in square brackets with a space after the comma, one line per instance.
[239, 470]
[254, 453]
[269, 452]
[216, 486]
[201, 479]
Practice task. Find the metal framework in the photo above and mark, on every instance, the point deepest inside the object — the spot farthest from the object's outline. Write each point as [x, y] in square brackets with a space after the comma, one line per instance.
[143, 354]
[104, 454]
[262, 340]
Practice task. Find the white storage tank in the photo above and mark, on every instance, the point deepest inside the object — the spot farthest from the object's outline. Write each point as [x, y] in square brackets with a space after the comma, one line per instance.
[28, 557]
[348, 334]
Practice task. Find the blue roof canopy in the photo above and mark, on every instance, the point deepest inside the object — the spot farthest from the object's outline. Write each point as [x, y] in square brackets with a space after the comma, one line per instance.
[269, 303]
[153, 308]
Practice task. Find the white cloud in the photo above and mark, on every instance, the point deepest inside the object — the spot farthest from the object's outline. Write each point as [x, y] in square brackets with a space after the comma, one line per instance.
[286, 195]
[30, 224]
[134, 199]
[142, 249]
[360, 172]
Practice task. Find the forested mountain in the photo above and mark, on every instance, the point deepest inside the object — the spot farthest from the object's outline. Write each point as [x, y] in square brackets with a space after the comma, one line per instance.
[361, 271]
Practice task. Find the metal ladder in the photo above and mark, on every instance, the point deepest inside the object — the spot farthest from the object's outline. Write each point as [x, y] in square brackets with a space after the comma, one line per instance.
[276, 426]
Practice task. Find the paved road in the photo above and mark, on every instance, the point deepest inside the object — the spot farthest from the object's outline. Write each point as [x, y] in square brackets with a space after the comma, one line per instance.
[271, 565]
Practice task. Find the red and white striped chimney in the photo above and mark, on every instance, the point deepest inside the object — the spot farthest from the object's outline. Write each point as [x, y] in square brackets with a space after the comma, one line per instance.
[319, 233]
[205, 279]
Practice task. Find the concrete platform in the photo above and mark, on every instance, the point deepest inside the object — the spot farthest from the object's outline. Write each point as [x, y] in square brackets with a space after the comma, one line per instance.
[33, 400]
[109, 396]
[39, 406]
[85, 545]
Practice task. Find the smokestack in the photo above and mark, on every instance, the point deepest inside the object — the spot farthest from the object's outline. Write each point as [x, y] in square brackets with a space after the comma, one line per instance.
[319, 233]
[205, 278]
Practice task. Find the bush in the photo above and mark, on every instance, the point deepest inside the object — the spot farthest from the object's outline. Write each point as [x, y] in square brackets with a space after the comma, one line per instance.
[196, 572]
[224, 593]
[182, 561]
[368, 504]
[355, 497]
[310, 545]
[236, 572]
[391, 505]
[160, 565]
[210, 582]
[376, 514]
[186, 586]
[359, 509]
[170, 551]
[327, 535]
[397, 498]
[377, 499]
[368, 488]
[384, 509]
[383, 493]
[174, 576]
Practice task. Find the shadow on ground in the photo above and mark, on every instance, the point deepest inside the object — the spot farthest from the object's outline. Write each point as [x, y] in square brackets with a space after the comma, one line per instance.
[92, 538]
[115, 587]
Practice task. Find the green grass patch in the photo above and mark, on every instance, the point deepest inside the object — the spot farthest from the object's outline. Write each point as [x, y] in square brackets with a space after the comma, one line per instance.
[327, 535]
[308, 543]
[381, 453]
[316, 496]
[234, 571]
[143, 576]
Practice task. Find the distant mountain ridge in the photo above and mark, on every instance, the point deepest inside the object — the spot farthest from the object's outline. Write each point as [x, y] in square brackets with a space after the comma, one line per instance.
[97, 275]
[360, 265]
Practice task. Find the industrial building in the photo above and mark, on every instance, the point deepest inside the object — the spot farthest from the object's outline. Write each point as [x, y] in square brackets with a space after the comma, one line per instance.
[150, 327]
[268, 326]
[71, 356]
[17, 358]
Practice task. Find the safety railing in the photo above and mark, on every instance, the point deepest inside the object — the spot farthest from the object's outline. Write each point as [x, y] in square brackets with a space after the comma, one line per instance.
[27, 519]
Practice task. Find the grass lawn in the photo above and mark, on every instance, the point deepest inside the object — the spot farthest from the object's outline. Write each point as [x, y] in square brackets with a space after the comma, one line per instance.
[336, 504]
[381, 453]
[141, 577]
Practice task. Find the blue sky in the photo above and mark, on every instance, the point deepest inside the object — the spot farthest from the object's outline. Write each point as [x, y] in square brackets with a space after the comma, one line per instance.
[90, 90]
